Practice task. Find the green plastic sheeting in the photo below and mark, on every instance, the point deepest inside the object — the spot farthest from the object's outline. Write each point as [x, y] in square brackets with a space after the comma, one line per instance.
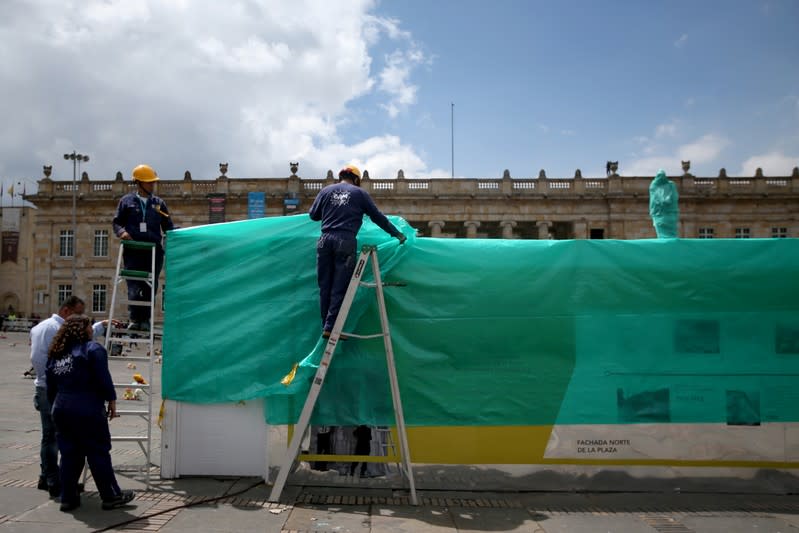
[491, 332]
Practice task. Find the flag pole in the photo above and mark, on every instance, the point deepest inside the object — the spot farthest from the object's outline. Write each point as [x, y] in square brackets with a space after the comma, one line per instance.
[452, 131]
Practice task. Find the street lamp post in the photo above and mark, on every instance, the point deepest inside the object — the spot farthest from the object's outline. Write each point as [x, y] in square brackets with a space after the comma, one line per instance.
[76, 159]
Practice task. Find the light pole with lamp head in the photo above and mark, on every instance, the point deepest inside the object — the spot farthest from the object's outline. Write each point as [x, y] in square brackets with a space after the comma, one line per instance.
[76, 159]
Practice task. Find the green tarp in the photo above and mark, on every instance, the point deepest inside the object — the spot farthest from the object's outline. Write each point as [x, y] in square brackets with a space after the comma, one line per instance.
[491, 332]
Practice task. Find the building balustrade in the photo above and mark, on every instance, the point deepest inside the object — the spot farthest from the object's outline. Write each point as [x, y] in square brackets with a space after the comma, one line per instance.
[614, 185]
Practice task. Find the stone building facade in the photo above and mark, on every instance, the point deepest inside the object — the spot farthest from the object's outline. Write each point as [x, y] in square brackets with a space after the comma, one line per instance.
[612, 207]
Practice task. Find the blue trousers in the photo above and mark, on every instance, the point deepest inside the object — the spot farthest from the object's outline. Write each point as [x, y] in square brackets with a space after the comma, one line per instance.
[140, 290]
[48, 452]
[82, 437]
[335, 263]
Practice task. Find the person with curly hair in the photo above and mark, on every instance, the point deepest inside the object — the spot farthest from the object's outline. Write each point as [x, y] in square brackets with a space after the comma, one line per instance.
[79, 385]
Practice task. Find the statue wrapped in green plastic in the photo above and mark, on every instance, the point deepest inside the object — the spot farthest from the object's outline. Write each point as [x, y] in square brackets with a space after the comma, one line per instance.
[663, 206]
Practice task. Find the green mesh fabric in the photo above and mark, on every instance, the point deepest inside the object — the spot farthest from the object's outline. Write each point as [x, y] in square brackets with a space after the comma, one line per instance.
[490, 332]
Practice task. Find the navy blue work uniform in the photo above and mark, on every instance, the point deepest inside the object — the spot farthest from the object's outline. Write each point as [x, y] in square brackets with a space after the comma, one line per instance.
[78, 385]
[341, 208]
[132, 211]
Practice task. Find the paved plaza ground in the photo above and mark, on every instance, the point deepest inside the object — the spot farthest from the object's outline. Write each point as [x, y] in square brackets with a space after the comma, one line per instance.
[464, 499]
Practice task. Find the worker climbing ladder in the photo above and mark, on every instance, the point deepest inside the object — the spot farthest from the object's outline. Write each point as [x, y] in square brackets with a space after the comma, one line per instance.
[367, 253]
[118, 341]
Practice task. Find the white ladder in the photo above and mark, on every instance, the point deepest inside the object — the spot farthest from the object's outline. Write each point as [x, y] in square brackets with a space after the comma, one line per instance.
[123, 337]
[367, 252]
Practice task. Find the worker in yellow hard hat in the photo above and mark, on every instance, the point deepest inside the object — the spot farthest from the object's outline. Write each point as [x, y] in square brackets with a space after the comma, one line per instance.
[142, 216]
[341, 208]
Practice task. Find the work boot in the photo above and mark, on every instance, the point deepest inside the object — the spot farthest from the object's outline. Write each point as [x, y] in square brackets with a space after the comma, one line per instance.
[69, 506]
[120, 500]
[55, 490]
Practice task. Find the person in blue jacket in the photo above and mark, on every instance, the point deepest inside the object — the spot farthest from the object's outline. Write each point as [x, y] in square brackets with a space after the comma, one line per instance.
[78, 387]
[341, 208]
[142, 216]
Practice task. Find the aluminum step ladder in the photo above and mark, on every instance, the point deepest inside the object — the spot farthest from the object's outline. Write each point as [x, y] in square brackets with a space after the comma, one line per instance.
[116, 339]
[368, 253]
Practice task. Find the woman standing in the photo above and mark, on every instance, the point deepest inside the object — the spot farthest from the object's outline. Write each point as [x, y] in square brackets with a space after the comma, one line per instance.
[78, 387]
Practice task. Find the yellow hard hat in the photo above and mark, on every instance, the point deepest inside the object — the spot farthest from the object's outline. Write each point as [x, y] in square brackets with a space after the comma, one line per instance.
[350, 169]
[144, 173]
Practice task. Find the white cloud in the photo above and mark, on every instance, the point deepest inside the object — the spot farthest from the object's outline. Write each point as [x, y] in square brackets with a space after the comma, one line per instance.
[375, 26]
[256, 83]
[648, 166]
[666, 130]
[680, 42]
[706, 149]
[773, 164]
[703, 150]
[394, 79]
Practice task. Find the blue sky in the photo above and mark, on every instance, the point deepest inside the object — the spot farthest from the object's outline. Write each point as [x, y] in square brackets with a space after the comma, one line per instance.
[569, 85]
[536, 85]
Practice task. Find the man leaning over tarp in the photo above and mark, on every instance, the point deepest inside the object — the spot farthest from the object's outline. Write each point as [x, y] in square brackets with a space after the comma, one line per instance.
[341, 208]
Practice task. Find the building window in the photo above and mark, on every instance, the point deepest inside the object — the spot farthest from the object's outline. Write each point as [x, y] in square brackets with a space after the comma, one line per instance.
[742, 233]
[64, 292]
[101, 243]
[98, 298]
[705, 233]
[67, 243]
[779, 233]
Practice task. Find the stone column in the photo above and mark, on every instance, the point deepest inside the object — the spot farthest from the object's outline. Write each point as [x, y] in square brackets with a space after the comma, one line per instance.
[436, 227]
[543, 229]
[507, 228]
[471, 228]
[581, 229]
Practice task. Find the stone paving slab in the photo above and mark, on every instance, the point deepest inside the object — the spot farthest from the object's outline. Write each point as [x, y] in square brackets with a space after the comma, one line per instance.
[726, 524]
[338, 518]
[506, 520]
[222, 517]
[583, 523]
[404, 519]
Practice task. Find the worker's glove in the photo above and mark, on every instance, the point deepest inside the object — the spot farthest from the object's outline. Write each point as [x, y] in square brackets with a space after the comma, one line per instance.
[402, 238]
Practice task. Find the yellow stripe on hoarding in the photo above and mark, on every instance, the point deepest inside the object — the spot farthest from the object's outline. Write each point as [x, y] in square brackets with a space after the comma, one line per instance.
[515, 445]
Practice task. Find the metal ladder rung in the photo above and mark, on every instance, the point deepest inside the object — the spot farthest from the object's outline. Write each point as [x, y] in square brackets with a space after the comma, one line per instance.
[372, 284]
[139, 245]
[359, 336]
[127, 358]
[141, 386]
[129, 438]
[132, 337]
[135, 274]
[140, 412]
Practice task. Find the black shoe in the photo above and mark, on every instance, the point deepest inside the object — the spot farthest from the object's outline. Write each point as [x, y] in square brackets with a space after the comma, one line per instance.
[122, 499]
[55, 491]
[69, 506]
[42, 484]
